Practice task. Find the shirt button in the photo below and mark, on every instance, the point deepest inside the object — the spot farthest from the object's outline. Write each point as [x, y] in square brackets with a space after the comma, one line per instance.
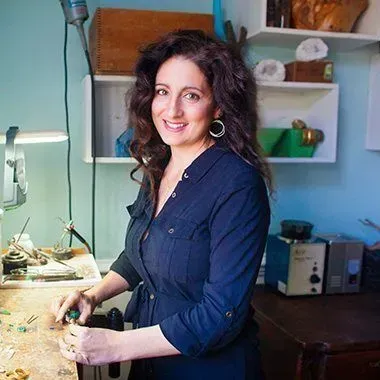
[185, 175]
[229, 314]
[171, 230]
[151, 296]
[174, 195]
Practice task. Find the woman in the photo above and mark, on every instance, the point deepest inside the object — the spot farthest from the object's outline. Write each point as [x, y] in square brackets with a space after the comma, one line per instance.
[198, 228]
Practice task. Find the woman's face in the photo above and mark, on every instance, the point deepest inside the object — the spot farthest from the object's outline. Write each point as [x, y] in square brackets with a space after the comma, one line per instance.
[182, 107]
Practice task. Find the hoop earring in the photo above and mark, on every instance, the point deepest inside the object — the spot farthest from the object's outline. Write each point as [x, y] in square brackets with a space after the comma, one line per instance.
[221, 132]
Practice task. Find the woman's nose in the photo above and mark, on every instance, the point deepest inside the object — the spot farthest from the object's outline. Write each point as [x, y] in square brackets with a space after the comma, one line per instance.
[175, 107]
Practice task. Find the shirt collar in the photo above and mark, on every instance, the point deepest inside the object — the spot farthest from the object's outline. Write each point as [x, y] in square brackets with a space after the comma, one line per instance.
[204, 162]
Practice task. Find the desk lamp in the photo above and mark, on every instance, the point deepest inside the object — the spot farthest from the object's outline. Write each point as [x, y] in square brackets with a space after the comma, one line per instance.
[15, 187]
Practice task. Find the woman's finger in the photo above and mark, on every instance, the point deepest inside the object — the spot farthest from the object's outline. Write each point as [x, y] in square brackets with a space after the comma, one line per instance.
[77, 330]
[56, 304]
[70, 352]
[71, 339]
[71, 300]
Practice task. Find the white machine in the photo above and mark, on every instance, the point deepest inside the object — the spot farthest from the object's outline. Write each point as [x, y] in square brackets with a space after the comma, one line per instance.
[295, 268]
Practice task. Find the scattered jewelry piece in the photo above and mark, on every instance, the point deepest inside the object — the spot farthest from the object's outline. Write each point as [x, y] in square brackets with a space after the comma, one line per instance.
[72, 315]
[31, 319]
[4, 311]
[18, 374]
[70, 348]
[21, 329]
[65, 372]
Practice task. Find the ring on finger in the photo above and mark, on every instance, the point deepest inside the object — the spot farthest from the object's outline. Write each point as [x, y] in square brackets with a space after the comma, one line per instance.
[70, 348]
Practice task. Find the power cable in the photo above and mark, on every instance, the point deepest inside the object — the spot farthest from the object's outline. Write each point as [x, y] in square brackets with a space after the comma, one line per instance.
[68, 157]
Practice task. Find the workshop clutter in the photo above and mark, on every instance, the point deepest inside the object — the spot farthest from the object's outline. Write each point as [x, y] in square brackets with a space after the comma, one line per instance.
[329, 16]
[299, 262]
[315, 71]
[117, 35]
[298, 141]
[310, 65]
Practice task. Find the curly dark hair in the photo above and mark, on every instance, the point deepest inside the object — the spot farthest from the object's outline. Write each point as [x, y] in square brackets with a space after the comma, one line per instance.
[233, 89]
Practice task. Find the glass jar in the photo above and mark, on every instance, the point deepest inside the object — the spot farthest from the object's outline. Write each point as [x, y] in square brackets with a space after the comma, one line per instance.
[24, 241]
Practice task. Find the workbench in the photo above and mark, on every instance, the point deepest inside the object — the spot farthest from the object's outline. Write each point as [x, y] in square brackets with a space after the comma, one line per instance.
[37, 348]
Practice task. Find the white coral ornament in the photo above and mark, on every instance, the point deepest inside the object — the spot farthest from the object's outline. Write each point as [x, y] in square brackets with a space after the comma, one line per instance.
[269, 70]
[311, 49]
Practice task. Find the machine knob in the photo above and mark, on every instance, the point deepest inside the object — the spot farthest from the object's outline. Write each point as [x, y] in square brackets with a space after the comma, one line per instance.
[315, 279]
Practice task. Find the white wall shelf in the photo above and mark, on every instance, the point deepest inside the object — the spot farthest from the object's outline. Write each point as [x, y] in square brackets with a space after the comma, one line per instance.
[280, 103]
[314, 103]
[252, 15]
[114, 160]
[373, 112]
[111, 116]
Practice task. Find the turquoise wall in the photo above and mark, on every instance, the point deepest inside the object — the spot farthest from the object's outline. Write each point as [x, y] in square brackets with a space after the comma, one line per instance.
[332, 196]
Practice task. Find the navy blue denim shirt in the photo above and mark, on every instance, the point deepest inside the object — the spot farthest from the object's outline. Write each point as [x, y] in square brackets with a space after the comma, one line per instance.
[195, 272]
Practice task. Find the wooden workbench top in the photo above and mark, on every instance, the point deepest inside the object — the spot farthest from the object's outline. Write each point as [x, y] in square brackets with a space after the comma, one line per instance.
[36, 349]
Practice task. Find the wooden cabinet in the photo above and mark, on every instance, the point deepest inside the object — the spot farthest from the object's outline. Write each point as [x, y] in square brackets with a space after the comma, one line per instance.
[333, 337]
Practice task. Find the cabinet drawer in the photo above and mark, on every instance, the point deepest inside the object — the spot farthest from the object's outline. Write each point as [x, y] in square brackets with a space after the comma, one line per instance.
[357, 365]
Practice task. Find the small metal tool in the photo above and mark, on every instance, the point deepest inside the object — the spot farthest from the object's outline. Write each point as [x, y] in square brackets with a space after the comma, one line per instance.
[43, 254]
[23, 229]
[69, 229]
[32, 319]
[369, 223]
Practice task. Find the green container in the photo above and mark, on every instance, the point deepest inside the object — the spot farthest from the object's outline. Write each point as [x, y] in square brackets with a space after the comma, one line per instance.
[291, 145]
[269, 137]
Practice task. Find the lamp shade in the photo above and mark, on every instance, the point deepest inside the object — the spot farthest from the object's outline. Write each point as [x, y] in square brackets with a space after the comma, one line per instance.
[33, 137]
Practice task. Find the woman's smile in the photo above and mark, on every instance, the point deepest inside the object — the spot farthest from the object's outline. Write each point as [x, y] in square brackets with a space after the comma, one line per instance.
[175, 126]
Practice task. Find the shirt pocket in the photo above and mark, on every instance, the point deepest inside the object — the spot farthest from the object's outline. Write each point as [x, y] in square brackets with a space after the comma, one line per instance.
[135, 211]
[185, 257]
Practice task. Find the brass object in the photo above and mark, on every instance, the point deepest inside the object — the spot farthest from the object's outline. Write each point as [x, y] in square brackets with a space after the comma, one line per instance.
[311, 136]
[298, 124]
[17, 374]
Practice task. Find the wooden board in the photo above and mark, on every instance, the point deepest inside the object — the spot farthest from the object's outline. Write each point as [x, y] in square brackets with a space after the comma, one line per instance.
[117, 35]
[36, 349]
[82, 261]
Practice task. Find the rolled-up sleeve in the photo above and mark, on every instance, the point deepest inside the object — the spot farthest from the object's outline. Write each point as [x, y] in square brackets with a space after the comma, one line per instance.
[123, 266]
[238, 231]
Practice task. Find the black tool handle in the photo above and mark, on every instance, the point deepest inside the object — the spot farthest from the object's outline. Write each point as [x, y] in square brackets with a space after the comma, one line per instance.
[115, 321]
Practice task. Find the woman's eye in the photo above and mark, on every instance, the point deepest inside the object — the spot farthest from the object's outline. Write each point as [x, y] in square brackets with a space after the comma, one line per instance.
[192, 96]
[161, 91]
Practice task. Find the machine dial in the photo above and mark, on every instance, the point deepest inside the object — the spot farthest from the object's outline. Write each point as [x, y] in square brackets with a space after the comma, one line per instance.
[315, 279]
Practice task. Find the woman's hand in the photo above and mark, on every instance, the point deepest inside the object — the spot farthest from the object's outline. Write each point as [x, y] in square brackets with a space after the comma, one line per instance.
[75, 300]
[92, 346]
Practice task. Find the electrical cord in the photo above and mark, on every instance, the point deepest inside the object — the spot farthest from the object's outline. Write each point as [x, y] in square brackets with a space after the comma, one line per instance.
[93, 148]
[68, 164]
[93, 138]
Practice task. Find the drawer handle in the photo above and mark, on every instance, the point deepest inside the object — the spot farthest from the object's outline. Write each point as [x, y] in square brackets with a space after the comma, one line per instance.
[374, 364]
